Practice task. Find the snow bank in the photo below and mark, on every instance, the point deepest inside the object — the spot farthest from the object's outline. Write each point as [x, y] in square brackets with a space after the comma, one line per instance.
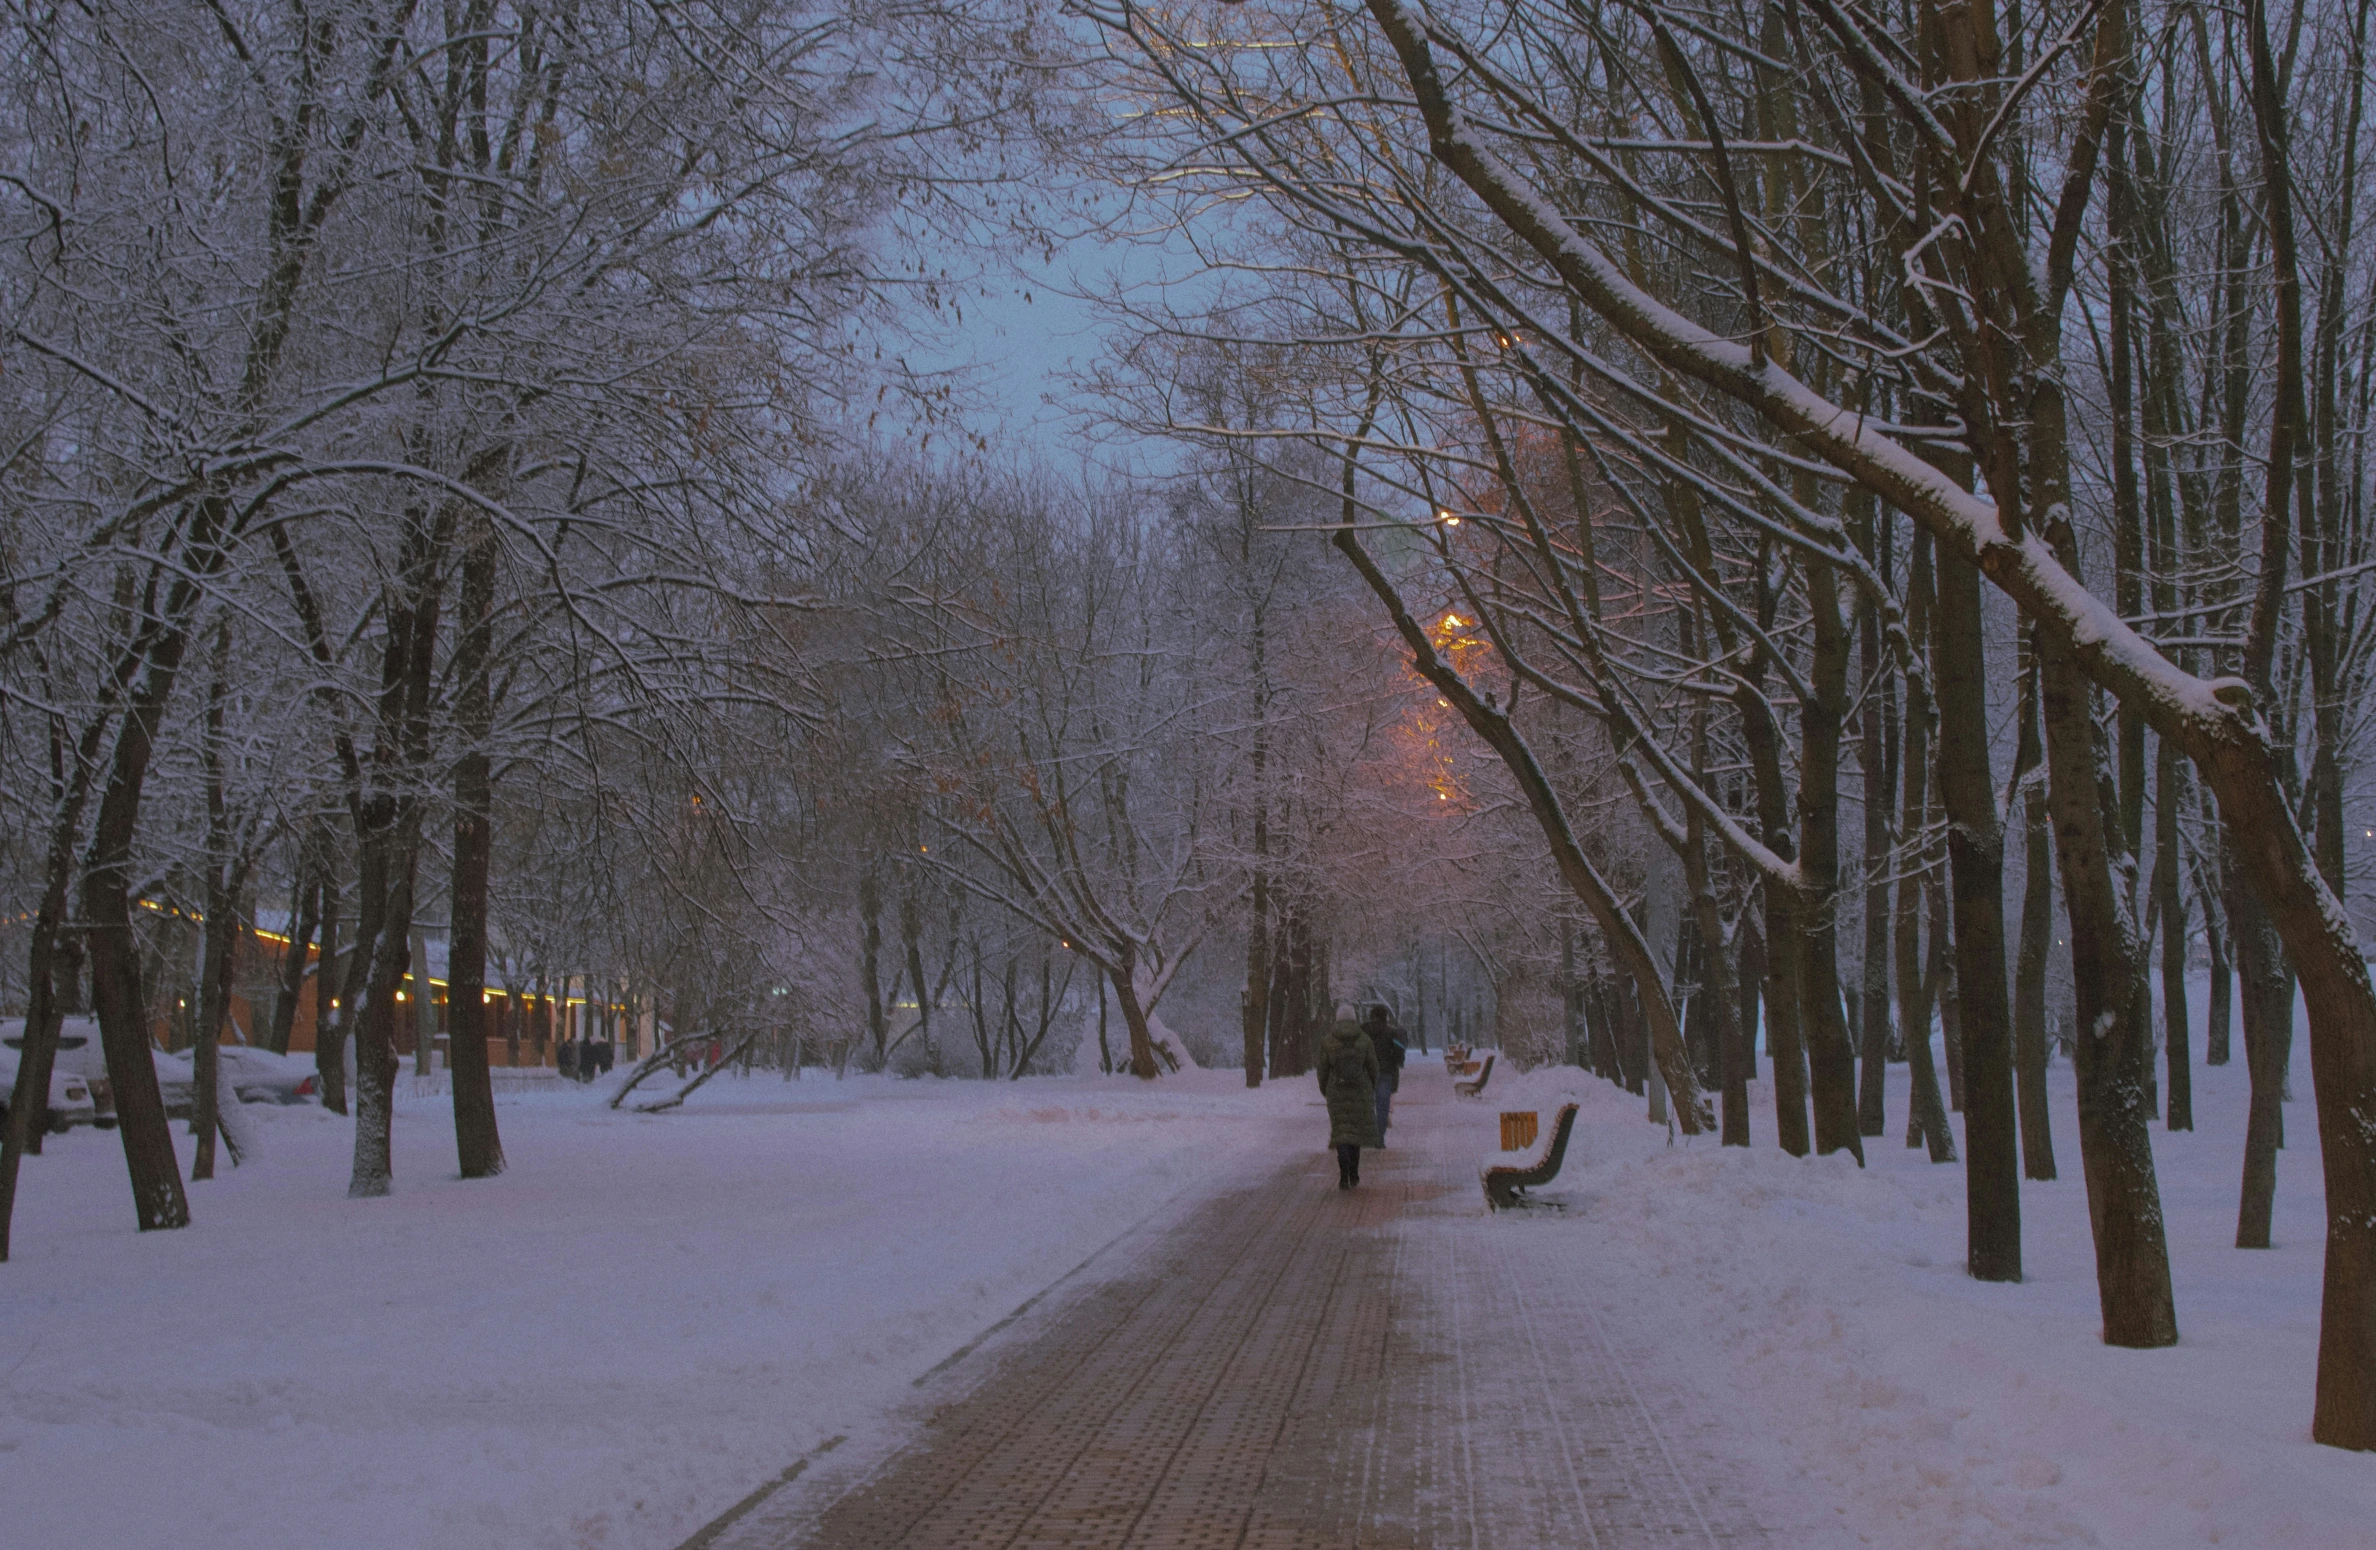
[605, 1347]
[1831, 1304]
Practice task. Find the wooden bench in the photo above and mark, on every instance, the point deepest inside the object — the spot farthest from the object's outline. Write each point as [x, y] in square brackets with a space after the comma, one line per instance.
[1476, 1088]
[1506, 1184]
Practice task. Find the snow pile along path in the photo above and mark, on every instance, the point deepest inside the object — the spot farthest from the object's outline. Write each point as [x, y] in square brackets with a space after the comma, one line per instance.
[1832, 1305]
[607, 1346]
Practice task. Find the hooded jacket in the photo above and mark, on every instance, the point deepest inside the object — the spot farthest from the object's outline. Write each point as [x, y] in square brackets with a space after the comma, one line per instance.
[1348, 1069]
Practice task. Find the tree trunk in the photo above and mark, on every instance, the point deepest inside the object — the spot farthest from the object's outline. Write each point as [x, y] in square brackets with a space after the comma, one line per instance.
[158, 1201]
[1749, 964]
[1785, 1051]
[1713, 1005]
[2219, 1014]
[1633, 1040]
[214, 1000]
[1944, 996]
[333, 995]
[1918, 992]
[48, 962]
[2268, 1048]
[1874, 754]
[1254, 1009]
[1600, 1031]
[1733, 1075]
[389, 831]
[2115, 1147]
[1134, 1016]
[1254, 1016]
[382, 954]
[478, 1143]
[1571, 998]
[1289, 998]
[1976, 860]
[2171, 897]
[911, 937]
[1926, 1117]
[2037, 939]
[424, 1007]
[116, 990]
[155, 656]
[870, 963]
[1831, 1058]
[305, 918]
[226, 879]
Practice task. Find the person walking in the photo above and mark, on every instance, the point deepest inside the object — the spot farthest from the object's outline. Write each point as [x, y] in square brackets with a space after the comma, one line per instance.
[1348, 1069]
[1386, 1040]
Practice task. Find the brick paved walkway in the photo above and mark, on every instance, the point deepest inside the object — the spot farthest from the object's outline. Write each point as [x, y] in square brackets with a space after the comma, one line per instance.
[1294, 1368]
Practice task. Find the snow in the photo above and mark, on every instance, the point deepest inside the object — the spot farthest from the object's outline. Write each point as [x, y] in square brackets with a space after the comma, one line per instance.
[1918, 1406]
[607, 1346]
[648, 1316]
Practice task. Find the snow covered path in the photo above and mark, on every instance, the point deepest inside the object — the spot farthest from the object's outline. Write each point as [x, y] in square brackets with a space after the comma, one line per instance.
[599, 1350]
[1289, 1366]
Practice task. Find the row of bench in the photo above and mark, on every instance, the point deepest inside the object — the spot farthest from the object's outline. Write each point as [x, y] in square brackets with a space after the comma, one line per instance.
[1506, 1183]
[1468, 1076]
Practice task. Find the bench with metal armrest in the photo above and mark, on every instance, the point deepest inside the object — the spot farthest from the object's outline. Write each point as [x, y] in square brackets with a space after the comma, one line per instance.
[1506, 1183]
[1475, 1086]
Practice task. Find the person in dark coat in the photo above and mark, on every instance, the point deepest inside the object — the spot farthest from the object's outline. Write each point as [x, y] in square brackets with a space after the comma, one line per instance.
[566, 1060]
[1386, 1039]
[1348, 1070]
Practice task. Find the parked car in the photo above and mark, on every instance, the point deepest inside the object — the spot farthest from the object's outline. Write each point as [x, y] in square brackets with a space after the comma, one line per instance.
[260, 1076]
[70, 1101]
[251, 1075]
[177, 1083]
[79, 1055]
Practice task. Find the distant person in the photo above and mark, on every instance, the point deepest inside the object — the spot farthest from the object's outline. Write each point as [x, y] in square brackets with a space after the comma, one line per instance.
[602, 1061]
[1387, 1040]
[1348, 1068]
[566, 1060]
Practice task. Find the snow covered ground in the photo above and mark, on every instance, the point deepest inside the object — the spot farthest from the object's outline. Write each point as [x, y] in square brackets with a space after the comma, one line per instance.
[1829, 1310]
[609, 1345]
[647, 1316]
